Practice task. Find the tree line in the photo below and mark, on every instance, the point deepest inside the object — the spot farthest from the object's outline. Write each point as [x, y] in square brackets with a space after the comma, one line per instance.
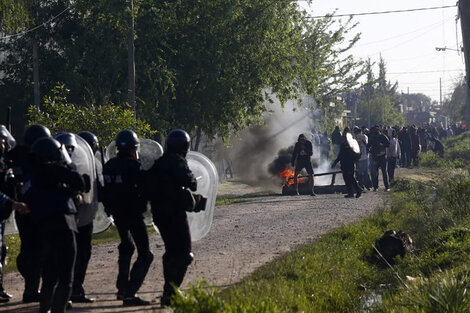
[205, 66]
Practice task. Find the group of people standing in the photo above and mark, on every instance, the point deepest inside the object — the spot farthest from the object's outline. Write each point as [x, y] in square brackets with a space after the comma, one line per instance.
[40, 182]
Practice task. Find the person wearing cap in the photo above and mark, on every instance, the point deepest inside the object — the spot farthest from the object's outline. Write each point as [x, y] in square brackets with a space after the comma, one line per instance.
[303, 150]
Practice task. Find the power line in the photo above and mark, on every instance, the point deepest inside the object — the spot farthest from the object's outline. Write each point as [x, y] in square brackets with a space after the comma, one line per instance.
[383, 12]
[420, 72]
[36, 27]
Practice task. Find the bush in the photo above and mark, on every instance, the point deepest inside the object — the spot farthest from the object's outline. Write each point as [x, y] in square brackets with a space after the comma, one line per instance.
[105, 121]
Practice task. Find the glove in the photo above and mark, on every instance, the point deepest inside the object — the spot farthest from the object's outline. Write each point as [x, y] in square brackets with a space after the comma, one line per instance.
[200, 203]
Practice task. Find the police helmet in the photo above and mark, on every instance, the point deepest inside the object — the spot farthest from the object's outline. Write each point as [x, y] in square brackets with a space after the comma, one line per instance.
[357, 130]
[48, 150]
[127, 140]
[6, 136]
[34, 132]
[301, 137]
[68, 140]
[177, 141]
[91, 139]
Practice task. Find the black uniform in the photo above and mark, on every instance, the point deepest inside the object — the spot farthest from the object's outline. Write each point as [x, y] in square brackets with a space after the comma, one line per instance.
[29, 260]
[50, 198]
[123, 199]
[167, 178]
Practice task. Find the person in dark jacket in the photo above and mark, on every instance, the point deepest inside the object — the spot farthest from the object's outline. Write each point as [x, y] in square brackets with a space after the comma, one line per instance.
[170, 182]
[415, 146]
[336, 140]
[303, 150]
[437, 146]
[405, 147]
[378, 144]
[29, 260]
[55, 191]
[348, 158]
[124, 200]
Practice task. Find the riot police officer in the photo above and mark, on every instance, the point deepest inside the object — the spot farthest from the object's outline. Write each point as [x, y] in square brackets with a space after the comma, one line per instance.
[86, 213]
[169, 178]
[124, 200]
[53, 196]
[29, 259]
[7, 186]
[91, 139]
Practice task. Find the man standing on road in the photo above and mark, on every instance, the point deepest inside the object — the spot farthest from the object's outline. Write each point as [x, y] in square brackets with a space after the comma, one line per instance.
[168, 181]
[378, 143]
[301, 159]
[124, 200]
[362, 166]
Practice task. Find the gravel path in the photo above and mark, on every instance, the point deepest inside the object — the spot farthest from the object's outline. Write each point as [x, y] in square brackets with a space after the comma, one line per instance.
[243, 237]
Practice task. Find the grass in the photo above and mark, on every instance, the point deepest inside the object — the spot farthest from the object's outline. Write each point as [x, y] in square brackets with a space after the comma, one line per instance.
[231, 199]
[337, 273]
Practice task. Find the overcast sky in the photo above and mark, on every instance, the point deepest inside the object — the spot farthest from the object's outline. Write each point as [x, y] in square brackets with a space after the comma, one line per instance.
[407, 41]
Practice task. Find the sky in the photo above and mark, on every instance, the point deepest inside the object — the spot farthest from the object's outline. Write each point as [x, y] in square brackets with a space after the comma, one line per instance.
[406, 41]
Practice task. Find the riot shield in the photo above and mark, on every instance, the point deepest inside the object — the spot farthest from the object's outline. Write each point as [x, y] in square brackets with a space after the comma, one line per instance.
[84, 161]
[10, 141]
[10, 225]
[149, 151]
[207, 181]
[102, 221]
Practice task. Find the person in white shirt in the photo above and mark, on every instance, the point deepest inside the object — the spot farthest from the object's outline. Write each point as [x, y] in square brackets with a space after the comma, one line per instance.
[393, 154]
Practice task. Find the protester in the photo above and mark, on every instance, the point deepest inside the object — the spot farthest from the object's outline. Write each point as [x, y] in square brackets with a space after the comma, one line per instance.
[393, 154]
[303, 150]
[349, 154]
[378, 143]
[362, 166]
[415, 146]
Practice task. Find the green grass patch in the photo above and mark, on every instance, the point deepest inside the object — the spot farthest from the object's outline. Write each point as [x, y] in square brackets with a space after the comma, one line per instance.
[231, 199]
[337, 274]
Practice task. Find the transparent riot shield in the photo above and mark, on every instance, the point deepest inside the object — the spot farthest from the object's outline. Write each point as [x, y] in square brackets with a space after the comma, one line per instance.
[84, 160]
[10, 225]
[207, 182]
[149, 151]
[102, 221]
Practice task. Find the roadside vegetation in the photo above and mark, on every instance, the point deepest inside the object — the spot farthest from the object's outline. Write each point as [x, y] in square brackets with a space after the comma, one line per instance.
[337, 273]
[456, 155]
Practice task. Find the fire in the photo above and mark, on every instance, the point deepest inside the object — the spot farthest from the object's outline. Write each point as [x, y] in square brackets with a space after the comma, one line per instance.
[287, 176]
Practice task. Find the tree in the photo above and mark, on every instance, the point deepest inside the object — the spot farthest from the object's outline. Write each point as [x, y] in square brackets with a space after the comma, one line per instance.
[382, 111]
[14, 14]
[104, 121]
[454, 107]
[330, 70]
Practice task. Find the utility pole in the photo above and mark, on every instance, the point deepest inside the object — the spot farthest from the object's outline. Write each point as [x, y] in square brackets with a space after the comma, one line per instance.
[131, 57]
[464, 12]
[37, 99]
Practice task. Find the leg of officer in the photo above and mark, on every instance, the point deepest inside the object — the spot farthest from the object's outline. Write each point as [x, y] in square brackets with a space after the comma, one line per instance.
[126, 250]
[141, 266]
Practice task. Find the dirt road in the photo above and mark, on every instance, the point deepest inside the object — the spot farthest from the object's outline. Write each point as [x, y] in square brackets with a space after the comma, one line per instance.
[243, 237]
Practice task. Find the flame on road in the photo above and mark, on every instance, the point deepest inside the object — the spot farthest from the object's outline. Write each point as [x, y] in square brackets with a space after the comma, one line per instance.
[287, 176]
